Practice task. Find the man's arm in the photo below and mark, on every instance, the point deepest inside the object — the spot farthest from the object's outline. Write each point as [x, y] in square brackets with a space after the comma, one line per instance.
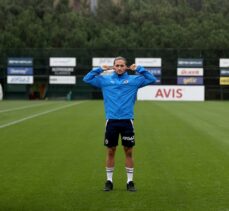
[145, 78]
[93, 77]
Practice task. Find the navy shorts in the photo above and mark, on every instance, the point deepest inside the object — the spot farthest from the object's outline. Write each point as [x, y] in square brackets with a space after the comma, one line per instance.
[124, 127]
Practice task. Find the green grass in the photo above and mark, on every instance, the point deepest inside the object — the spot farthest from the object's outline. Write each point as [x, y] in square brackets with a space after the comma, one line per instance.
[56, 161]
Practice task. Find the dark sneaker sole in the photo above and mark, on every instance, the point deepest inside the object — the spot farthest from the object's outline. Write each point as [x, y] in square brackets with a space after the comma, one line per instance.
[131, 190]
[108, 186]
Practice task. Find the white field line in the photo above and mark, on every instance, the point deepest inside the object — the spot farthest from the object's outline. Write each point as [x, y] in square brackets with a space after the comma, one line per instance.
[36, 115]
[23, 107]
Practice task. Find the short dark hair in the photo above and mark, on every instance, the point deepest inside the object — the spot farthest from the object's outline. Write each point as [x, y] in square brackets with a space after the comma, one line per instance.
[120, 58]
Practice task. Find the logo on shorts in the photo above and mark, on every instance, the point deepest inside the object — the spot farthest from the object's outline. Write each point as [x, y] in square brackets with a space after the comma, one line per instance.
[128, 138]
[106, 141]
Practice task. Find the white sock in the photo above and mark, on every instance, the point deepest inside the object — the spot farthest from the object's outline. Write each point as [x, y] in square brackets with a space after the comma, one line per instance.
[130, 174]
[109, 171]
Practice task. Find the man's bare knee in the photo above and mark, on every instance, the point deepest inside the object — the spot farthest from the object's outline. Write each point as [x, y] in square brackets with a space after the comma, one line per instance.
[111, 151]
[128, 151]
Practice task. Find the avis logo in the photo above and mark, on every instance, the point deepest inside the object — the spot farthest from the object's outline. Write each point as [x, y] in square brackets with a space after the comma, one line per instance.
[169, 93]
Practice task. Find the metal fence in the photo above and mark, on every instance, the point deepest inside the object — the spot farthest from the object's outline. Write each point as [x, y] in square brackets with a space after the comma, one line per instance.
[42, 89]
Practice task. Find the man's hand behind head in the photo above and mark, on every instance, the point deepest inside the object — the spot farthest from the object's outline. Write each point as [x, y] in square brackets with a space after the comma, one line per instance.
[106, 67]
[133, 67]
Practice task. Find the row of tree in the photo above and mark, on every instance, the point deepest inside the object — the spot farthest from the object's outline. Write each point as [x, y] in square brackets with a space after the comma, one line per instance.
[125, 24]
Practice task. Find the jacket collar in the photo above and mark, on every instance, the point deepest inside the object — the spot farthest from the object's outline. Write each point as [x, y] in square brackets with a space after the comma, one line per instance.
[124, 75]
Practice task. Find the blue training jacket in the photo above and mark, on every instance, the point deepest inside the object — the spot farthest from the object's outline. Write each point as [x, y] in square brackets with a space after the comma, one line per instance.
[119, 91]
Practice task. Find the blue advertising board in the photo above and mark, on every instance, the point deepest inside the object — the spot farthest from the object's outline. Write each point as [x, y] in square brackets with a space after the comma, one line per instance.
[224, 72]
[20, 71]
[190, 62]
[158, 81]
[189, 80]
[154, 70]
[20, 62]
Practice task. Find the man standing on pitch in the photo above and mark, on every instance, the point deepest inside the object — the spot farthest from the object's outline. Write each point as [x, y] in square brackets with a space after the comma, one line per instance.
[119, 93]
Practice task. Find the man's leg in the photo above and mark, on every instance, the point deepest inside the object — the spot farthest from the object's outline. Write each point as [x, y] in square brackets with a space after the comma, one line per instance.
[129, 168]
[129, 163]
[110, 160]
[128, 142]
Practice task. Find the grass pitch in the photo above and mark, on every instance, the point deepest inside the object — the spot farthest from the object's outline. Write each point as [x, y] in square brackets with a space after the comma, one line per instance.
[52, 157]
